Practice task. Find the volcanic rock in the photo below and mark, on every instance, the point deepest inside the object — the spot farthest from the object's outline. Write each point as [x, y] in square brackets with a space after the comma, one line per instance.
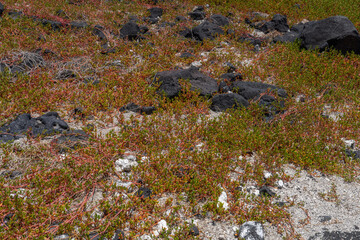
[219, 20]
[46, 124]
[337, 32]
[130, 31]
[222, 102]
[170, 86]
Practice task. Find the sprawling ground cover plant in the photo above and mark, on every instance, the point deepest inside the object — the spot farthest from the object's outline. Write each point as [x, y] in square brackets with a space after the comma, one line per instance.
[182, 152]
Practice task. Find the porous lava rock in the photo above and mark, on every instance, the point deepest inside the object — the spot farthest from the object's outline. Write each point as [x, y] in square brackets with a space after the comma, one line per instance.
[138, 109]
[251, 90]
[222, 102]
[243, 92]
[337, 32]
[143, 192]
[232, 77]
[47, 124]
[206, 30]
[130, 31]
[278, 23]
[219, 20]
[155, 12]
[2, 9]
[198, 13]
[170, 85]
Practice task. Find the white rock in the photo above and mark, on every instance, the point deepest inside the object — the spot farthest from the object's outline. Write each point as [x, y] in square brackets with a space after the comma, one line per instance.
[123, 184]
[224, 44]
[199, 146]
[280, 184]
[349, 143]
[97, 214]
[223, 199]
[196, 64]
[247, 62]
[168, 212]
[204, 54]
[131, 157]
[253, 190]
[145, 237]
[124, 164]
[60, 237]
[267, 175]
[258, 33]
[300, 98]
[161, 226]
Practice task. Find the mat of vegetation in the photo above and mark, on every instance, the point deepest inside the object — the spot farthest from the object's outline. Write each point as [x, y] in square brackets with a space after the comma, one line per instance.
[178, 119]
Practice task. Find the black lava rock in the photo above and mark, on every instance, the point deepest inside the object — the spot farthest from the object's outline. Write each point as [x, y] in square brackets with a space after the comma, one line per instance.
[287, 37]
[206, 30]
[336, 235]
[151, 20]
[46, 124]
[250, 39]
[353, 154]
[186, 55]
[147, 110]
[55, 25]
[130, 31]
[223, 87]
[280, 23]
[186, 32]
[251, 90]
[170, 86]
[155, 12]
[334, 32]
[2, 9]
[143, 192]
[8, 218]
[219, 20]
[194, 231]
[324, 218]
[197, 15]
[265, 27]
[180, 18]
[230, 66]
[232, 77]
[72, 136]
[222, 102]
[265, 191]
[138, 109]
